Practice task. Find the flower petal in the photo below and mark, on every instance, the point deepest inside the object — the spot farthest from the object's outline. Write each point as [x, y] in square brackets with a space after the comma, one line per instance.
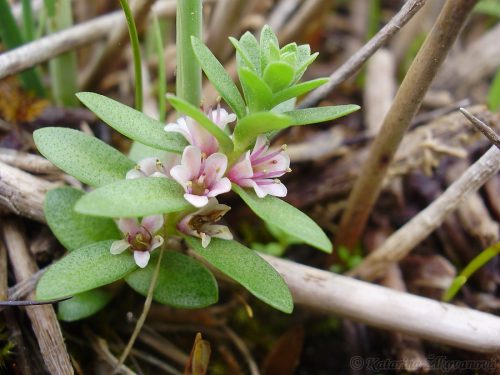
[196, 200]
[215, 167]
[220, 187]
[219, 231]
[152, 223]
[205, 239]
[129, 226]
[141, 258]
[156, 242]
[242, 169]
[148, 166]
[134, 173]
[119, 247]
[191, 159]
[277, 189]
[181, 174]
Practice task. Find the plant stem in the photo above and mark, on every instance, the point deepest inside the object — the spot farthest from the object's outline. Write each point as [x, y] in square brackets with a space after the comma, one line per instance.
[188, 23]
[28, 22]
[144, 314]
[162, 79]
[484, 257]
[406, 103]
[134, 41]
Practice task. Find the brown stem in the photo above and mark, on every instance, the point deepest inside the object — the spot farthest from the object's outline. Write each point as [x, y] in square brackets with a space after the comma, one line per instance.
[406, 103]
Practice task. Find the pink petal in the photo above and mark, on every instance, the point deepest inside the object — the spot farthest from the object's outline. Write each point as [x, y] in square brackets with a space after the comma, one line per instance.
[181, 174]
[191, 160]
[141, 258]
[215, 167]
[159, 174]
[220, 187]
[242, 169]
[119, 247]
[134, 173]
[260, 147]
[152, 223]
[148, 166]
[201, 137]
[276, 189]
[179, 127]
[280, 162]
[196, 200]
[157, 242]
[130, 226]
[183, 226]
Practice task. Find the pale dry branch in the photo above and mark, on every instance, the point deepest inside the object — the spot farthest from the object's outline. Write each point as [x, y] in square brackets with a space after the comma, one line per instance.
[389, 309]
[358, 59]
[43, 318]
[401, 242]
[28, 162]
[482, 127]
[406, 104]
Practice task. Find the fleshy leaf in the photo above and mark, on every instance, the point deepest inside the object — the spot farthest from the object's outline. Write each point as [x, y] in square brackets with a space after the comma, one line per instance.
[84, 269]
[72, 229]
[247, 268]
[250, 45]
[298, 90]
[134, 198]
[278, 75]
[286, 217]
[321, 114]
[257, 93]
[86, 158]
[267, 38]
[132, 124]
[219, 77]
[183, 282]
[190, 110]
[249, 128]
[83, 305]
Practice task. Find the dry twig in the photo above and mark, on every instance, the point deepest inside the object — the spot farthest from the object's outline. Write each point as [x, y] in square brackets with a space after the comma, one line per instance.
[406, 103]
[399, 244]
[482, 127]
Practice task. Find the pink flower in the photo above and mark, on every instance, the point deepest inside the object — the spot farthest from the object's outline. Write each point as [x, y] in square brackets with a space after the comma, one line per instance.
[259, 169]
[140, 238]
[153, 167]
[201, 223]
[201, 177]
[196, 134]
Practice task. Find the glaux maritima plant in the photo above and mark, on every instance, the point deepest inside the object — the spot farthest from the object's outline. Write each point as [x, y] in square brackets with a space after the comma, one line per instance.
[140, 208]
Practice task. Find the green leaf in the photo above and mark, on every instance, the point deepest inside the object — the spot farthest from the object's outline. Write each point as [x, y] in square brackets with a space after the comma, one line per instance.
[244, 60]
[251, 47]
[134, 198]
[182, 282]
[86, 158]
[72, 229]
[247, 268]
[300, 70]
[190, 110]
[494, 92]
[249, 128]
[258, 95]
[286, 217]
[278, 75]
[298, 90]
[132, 124]
[320, 114]
[84, 269]
[267, 38]
[83, 305]
[219, 77]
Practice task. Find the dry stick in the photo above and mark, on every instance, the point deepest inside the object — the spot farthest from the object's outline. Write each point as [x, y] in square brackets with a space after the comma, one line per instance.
[482, 127]
[406, 103]
[43, 318]
[44, 49]
[357, 60]
[28, 162]
[389, 309]
[401, 242]
[106, 57]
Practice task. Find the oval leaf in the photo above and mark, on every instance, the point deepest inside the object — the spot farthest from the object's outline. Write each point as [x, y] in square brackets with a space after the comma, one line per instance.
[84, 157]
[286, 217]
[84, 269]
[83, 305]
[134, 198]
[250, 127]
[257, 93]
[247, 268]
[190, 110]
[183, 282]
[278, 75]
[219, 77]
[321, 114]
[132, 124]
[74, 230]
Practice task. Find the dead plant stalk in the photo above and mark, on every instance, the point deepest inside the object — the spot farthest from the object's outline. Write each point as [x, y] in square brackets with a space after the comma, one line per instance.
[406, 104]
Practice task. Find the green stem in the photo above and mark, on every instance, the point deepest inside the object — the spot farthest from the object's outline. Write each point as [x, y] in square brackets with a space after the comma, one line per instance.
[476, 263]
[134, 41]
[162, 77]
[28, 22]
[189, 21]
